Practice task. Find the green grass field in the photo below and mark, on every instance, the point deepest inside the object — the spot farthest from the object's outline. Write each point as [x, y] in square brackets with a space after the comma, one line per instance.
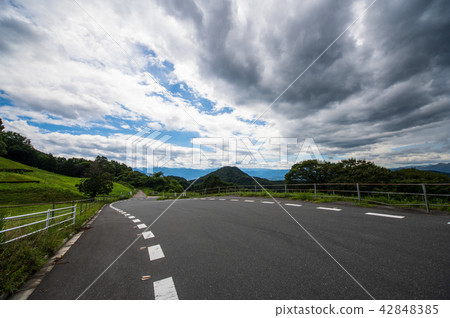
[22, 258]
[51, 187]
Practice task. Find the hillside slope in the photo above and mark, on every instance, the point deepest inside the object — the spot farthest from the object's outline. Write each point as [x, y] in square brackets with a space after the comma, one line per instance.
[233, 175]
[51, 186]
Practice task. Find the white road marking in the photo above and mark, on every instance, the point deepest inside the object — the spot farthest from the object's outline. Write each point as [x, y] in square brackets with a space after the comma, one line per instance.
[141, 226]
[211, 199]
[127, 214]
[202, 199]
[331, 209]
[222, 199]
[148, 234]
[155, 252]
[165, 289]
[268, 202]
[136, 221]
[249, 200]
[386, 215]
[234, 200]
[131, 217]
[292, 204]
[448, 223]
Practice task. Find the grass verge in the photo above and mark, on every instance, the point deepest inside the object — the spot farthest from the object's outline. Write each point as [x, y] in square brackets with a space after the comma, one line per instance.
[22, 258]
[367, 201]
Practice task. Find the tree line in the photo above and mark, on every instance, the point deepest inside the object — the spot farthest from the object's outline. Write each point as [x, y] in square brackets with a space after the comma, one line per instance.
[19, 148]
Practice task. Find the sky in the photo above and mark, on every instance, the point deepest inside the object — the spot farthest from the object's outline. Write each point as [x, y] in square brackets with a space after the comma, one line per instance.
[248, 83]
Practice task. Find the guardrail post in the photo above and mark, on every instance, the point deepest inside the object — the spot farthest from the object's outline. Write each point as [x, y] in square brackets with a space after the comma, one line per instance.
[235, 190]
[47, 222]
[74, 210]
[53, 212]
[285, 188]
[425, 198]
[315, 191]
[255, 188]
[359, 194]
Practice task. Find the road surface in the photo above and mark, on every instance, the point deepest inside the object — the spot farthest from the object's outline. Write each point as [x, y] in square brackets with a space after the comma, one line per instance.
[253, 248]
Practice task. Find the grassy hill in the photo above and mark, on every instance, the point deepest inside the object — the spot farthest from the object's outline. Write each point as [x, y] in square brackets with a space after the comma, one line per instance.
[51, 186]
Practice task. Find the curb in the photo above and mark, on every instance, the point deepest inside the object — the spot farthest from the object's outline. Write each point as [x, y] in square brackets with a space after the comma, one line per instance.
[29, 286]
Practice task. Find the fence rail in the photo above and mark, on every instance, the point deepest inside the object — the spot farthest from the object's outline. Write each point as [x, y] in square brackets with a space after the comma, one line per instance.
[49, 216]
[44, 220]
[395, 194]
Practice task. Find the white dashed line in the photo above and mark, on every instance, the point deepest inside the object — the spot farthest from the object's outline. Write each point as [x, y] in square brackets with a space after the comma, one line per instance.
[331, 209]
[141, 226]
[211, 199]
[448, 223]
[222, 199]
[234, 200]
[267, 202]
[386, 215]
[155, 252]
[292, 204]
[131, 217]
[136, 221]
[249, 200]
[165, 289]
[127, 214]
[148, 234]
[202, 199]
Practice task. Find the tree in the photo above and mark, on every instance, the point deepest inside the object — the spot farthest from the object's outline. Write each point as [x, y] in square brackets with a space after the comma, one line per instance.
[310, 171]
[100, 180]
[212, 181]
[3, 150]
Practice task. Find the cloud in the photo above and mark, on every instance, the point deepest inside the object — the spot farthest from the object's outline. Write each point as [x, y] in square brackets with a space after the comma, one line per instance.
[382, 85]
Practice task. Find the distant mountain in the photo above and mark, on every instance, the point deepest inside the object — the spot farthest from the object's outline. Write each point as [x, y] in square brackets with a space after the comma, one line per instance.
[191, 174]
[439, 167]
[270, 174]
[234, 175]
[187, 173]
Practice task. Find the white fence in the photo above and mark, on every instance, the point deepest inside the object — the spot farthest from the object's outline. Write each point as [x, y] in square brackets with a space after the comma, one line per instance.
[49, 218]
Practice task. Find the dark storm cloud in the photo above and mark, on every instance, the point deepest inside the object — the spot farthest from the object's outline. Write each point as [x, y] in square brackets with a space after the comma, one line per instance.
[186, 10]
[403, 41]
[12, 32]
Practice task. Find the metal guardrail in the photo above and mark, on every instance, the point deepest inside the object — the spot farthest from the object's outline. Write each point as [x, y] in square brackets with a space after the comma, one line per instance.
[354, 191]
[50, 215]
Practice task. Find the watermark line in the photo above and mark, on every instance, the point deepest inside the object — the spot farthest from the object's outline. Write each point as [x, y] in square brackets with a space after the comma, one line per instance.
[132, 243]
[313, 62]
[317, 242]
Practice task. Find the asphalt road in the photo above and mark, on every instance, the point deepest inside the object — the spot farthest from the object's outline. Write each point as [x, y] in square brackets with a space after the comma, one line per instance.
[246, 248]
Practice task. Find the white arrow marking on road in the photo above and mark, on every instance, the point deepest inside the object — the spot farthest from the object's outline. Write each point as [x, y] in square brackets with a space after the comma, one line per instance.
[155, 252]
[165, 289]
[386, 215]
[136, 221]
[141, 226]
[331, 209]
[292, 204]
[148, 234]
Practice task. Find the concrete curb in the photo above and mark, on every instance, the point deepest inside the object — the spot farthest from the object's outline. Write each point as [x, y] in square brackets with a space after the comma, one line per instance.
[28, 288]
